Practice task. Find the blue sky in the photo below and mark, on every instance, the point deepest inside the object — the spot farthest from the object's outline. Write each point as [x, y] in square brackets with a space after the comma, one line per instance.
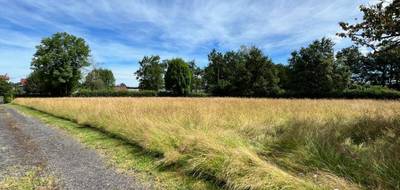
[120, 32]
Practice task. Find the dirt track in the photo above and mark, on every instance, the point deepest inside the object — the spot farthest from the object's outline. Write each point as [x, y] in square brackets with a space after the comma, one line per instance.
[26, 143]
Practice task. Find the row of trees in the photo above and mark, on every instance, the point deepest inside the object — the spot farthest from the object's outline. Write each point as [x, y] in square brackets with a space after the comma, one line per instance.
[314, 70]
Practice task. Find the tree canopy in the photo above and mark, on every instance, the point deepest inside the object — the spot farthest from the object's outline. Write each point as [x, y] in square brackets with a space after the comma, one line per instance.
[314, 71]
[247, 72]
[5, 86]
[178, 78]
[150, 73]
[58, 61]
[99, 79]
[380, 27]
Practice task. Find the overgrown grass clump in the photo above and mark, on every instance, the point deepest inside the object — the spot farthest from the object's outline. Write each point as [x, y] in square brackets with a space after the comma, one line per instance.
[254, 143]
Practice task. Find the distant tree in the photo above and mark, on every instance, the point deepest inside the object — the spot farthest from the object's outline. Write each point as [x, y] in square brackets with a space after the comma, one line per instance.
[247, 72]
[380, 27]
[352, 58]
[217, 73]
[197, 78]
[283, 73]
[6, 88]
[34, 84]
[5, 85]
[98, 79]
[313, 70]
[383, 68]
[178, 78]
[58, 61]
[150, 73]
[262, 77]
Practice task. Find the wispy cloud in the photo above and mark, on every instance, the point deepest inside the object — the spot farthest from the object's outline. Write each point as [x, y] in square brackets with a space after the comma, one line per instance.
[120, 32]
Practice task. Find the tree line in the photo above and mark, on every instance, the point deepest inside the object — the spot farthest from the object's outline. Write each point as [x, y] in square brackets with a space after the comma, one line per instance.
[312, 71]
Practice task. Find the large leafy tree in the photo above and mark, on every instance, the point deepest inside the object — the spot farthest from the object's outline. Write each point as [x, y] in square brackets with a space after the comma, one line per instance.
[150, 73]
[98, 79]
[58, 61]
[197, 78]
[178, 78]
[380, 27]
[313, 70]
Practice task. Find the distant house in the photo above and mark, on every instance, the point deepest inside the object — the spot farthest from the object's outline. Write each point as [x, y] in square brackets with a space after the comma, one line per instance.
[23, 82]
[121, 87]
[124, 87]
[133, 88]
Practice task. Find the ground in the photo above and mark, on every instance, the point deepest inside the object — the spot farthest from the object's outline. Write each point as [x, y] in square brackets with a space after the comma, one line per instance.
[53, 159]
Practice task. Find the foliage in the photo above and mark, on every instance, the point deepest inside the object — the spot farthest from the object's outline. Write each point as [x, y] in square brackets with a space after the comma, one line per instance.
[34, 84]
[380, 31]
[58, 61]
[178, 78]
[197, 78]
[372, 92]
[380, 28]
[283, 73]
[5, 85]
[99, 79]
[246, 72]
[354, 60]
[150, 73]
[383, 68]
[6, 89]
[314, 71]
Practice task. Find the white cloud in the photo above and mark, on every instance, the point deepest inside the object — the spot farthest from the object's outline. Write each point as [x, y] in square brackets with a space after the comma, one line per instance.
[121, 31]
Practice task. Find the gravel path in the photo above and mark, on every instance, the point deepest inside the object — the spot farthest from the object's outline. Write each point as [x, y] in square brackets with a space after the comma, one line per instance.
[26, 142]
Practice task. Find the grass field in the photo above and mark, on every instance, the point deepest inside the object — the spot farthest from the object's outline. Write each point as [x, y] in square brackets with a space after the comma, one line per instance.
[253, 143]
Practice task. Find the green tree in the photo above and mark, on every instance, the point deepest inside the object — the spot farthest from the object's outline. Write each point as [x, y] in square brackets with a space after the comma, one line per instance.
[34, 84]
[197, 78]
[353, 59]
[313, 70]
[247, 72]
[283, 73]
[383, 68]
[58, 60]
[178, 78]
[6, 88]
[98, 79]
[5, 85]
[380, 27]
[150, 73]
[261, 79]
[217, 73]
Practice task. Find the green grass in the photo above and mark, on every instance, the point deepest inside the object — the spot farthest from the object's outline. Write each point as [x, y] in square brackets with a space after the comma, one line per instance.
[126, 157]
[29, 180]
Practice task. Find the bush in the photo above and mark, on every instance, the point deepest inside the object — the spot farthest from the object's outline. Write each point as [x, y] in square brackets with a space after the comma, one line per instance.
[374, 92]
[112, 93]
[358, 92]
[8, 98]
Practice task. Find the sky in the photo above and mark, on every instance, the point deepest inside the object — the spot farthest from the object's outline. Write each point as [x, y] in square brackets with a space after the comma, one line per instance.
[121, 32]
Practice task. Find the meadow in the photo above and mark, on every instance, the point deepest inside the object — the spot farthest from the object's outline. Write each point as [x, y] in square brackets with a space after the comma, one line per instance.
[240, 143]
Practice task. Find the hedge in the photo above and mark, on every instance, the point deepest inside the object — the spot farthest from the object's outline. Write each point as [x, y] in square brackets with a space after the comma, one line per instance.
[111, 93]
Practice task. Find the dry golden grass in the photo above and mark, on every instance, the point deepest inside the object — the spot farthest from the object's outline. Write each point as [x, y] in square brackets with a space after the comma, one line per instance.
[252, 143]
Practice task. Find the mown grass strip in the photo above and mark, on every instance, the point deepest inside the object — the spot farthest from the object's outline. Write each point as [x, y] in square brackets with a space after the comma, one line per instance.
[126, 157]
